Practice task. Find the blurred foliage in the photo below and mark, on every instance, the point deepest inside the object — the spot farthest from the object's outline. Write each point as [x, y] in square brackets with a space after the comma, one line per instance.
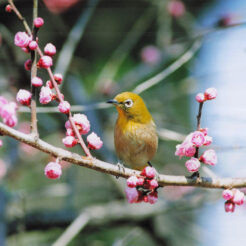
[105, 44]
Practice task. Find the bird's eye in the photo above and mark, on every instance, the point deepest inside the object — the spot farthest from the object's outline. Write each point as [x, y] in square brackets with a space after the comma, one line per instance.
[128, 103]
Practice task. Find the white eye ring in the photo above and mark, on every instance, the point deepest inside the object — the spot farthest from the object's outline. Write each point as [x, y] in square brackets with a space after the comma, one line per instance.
[128, 103]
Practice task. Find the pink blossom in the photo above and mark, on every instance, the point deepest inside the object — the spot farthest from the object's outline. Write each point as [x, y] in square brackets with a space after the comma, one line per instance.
[64, 107]
[82, 123]
[209, 157]
[131, 195]
[200, 97]
[69, 141]
[22, 39]
[151, 55]
[37, 82]
[3, 101]
[185, 149]
[49, 49]
[148, 172]
[33, 45]
[1, 143]
[192, 165]
[94, 142]
[210, 93]
[227, 194]
[153, 197]
[8, 113]
[70, 132]
[197, 138]
[26, 50]
[152, 184]
[45, 95]
[204, 131]
[208, 140]
[45, 62]
[28, 64]
[176, 8]
[24, 97]
[8, 8]
[229, 206]
[38, 22]
[238, 197]
[58, 78]
[53, 170]
[132, 181]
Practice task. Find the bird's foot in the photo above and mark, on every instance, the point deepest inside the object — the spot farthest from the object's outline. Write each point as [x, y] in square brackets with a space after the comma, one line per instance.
[121, 168]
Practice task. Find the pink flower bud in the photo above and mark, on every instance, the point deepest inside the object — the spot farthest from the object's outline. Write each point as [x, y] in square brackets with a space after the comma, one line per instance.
[3, 101]
[185, 149]
[64, 107]
[227, 194]
[132, 181]
[49, 49]
[53, 170]
[38, 22]
[208, 140]
[1, 143]
[229, 206]
[209, 157]
[58, 78]
[94, 142]
[45, 62]
[150, 55]
[148, 172]
[131, 195]
[152, 184]
[8, 113]
[37, 82]
[22, 39]
[28, 64]
[238, 197]
[82, 123]
[8, 8]
[176, 8]
[26, 50]
[140, 181]
[153, 197]
[69, 141]
[49, 84]
[210, 93]
[45, 95]
[33, 45]
[192, 165]
[200, 97]
[24, 97]
[197, 138]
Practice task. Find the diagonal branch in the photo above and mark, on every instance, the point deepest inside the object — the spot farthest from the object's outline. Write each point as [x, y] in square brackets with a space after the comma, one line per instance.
[105, 167]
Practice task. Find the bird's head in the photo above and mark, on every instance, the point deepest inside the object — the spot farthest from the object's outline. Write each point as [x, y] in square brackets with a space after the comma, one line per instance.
[132, 106]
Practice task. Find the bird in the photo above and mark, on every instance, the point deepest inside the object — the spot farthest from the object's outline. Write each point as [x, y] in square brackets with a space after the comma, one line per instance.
[135, 136]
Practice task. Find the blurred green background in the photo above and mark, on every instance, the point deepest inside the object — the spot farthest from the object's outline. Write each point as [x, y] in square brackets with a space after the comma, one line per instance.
[104, 47]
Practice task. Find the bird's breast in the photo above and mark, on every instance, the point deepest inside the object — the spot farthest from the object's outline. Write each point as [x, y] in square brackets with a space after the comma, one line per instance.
[135, 143]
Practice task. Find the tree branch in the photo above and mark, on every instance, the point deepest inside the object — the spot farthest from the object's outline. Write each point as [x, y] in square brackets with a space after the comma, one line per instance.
[104, 167]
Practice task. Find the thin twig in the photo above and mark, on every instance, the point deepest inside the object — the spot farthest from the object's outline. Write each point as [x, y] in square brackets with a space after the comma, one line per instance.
[105, 167]
[170, 69]
[34, 126]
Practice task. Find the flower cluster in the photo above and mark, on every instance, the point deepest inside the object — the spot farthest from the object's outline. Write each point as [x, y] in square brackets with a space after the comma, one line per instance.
[189, 147]
[8, 112]
[143, 188]
[209, 94]
[233, 197]
[83, 125]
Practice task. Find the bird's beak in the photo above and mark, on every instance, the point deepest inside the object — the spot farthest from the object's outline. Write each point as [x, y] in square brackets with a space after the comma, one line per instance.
[113, 101]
